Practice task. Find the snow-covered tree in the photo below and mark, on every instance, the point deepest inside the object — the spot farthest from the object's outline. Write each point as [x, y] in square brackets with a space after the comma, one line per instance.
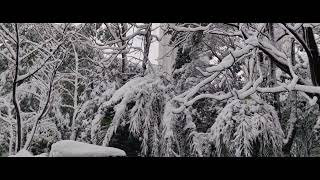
[236, 89]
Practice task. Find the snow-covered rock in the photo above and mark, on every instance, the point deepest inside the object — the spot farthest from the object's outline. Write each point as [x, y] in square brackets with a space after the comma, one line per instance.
[22, 153]
[69, 148]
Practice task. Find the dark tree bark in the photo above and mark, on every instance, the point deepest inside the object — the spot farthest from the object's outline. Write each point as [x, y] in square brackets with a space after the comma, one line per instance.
[314, 61]
[310, 46]
[14, 92]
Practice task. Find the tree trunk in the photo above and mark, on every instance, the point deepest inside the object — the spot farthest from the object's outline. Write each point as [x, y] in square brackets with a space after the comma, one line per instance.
[293, 115]
[314, 60]
[292, 127]
[276, 98]
[123, 54]
[75, 97]
[14, 93]
[147, 42]
[11, 139]
[313, 56]
[29, 140]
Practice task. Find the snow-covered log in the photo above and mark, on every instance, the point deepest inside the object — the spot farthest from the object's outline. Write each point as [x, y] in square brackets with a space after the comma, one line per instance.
[69, 148]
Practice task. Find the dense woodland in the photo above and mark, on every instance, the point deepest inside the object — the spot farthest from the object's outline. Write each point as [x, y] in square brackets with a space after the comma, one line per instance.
[234, 90]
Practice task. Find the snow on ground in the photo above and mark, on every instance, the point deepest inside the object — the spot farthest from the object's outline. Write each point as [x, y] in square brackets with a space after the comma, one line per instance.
[22, 153]
[69, 148]
[42, 155]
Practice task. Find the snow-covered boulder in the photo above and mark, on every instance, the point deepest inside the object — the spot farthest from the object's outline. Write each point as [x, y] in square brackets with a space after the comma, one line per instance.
[69, 148]
[22, 153]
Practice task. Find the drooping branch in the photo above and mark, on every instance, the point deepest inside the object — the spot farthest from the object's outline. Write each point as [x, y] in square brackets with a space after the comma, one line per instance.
[310, 46]
[297, 37]
[281, 64]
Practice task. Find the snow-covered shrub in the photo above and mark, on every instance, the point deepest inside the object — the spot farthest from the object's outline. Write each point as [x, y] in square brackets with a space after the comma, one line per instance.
[100, 94]
[45, 135]
[139, 105]
[305, 137]
[200, 144]
[247, 128]
[22, 153]
[178, 138]
[3, 145]
[169, 144]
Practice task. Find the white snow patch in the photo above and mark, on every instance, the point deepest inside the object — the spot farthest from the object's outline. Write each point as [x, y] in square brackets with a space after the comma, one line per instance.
[23, 153]
[69, 148]
[42, 155]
